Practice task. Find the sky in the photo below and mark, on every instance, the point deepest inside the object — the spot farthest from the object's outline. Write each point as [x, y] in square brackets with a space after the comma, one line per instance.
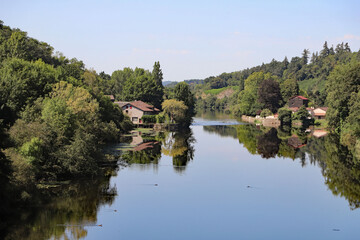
[191, 39]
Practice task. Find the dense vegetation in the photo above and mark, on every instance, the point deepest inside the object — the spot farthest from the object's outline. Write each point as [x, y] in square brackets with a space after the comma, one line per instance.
[54, 115]
[53, 111]
[330, 78]
[303, 75]
[138, 84]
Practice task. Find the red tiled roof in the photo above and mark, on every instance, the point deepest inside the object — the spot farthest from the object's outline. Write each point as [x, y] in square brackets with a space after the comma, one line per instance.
[143, 146]
[294, 109]
[324, 108]
[110, 96]
[121, 104]
[144, 106]
[301, 97]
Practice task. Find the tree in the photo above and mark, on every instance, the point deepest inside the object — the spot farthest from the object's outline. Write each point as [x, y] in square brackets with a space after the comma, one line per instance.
[350, 133]
[285, 64]
[269, 94]
[158, 77]
[138, 84]
[305, 56]
[288, 89]
[303, 115]
[325, 51]
[22, 82]
[285, 116]
[341, 83]
[248, 98]
[176, 110]
[183, 93]
[157, 73]
[120, 79]
[266, 112]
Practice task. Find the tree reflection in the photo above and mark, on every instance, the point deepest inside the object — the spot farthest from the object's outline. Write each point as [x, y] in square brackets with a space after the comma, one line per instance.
[340, 168]
[268, 144]
[144, 153]
[61, 212]
[179, 146]
[342, 171]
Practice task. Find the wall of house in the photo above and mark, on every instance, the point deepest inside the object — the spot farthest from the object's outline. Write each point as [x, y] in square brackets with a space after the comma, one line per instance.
[297, 102]
[134, 113]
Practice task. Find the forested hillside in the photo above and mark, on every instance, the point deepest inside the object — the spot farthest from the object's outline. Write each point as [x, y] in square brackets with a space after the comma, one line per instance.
[329, 78]
[55, 116]
[305, 75]
[53, 113]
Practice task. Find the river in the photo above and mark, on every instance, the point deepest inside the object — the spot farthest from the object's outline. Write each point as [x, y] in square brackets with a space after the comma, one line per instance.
[220, 179]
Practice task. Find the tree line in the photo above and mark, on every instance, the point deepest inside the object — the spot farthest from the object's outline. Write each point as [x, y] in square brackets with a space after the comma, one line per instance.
[55, 117]
[329, 78]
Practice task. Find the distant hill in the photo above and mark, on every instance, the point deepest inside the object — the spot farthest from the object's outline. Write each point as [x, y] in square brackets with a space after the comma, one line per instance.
[166, 83]
[191, 82]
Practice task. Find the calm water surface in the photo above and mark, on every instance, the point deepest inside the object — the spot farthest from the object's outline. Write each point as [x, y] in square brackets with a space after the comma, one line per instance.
[219, 180]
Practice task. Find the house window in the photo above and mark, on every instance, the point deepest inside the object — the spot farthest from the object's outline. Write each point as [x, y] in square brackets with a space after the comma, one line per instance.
[126, 107]
[130, 107]
[127, 111]
[134, 119]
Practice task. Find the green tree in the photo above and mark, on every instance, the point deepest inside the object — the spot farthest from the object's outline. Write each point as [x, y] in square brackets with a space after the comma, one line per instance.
[325, 51]
[266, 112]
[305, 56]
[248, 98]
[176, 110]
[285, 116]
[289, 88]
[342, 82]
[183, 93]
[269, 94]
[22, 82]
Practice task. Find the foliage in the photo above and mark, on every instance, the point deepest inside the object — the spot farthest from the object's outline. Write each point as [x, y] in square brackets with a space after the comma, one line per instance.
[299, 72]
[139, 84]
[285, 116]
[160, 118]
[266, 112]
[148, 118]
[248, 99]
[343, 81]
[176, 110]
[219, 90]
[289, 88]
[22, 82]
[183, 93]
[269, 95]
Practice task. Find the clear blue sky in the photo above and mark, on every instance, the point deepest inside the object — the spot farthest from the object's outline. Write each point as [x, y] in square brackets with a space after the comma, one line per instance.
[191, 39]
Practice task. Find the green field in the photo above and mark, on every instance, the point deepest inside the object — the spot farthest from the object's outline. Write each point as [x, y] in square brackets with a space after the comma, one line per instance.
[312, 85]
[219, 90]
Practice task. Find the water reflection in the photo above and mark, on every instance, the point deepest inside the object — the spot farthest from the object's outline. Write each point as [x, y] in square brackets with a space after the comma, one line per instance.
[340, 168]
[61, 212]
[179, 146]
[147, 153]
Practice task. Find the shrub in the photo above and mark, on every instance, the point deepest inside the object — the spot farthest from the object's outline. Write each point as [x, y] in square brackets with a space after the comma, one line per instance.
[266, 112]
[285, 116]
[149, 119]
[160, 118]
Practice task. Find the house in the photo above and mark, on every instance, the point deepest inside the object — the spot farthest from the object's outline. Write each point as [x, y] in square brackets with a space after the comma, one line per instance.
[319, 113]
[295, 142]
[136, 109]
[112, 98]
[318, 133]
[298, 101]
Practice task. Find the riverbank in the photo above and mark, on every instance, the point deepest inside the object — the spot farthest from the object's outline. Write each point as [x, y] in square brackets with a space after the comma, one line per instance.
[266, 122]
